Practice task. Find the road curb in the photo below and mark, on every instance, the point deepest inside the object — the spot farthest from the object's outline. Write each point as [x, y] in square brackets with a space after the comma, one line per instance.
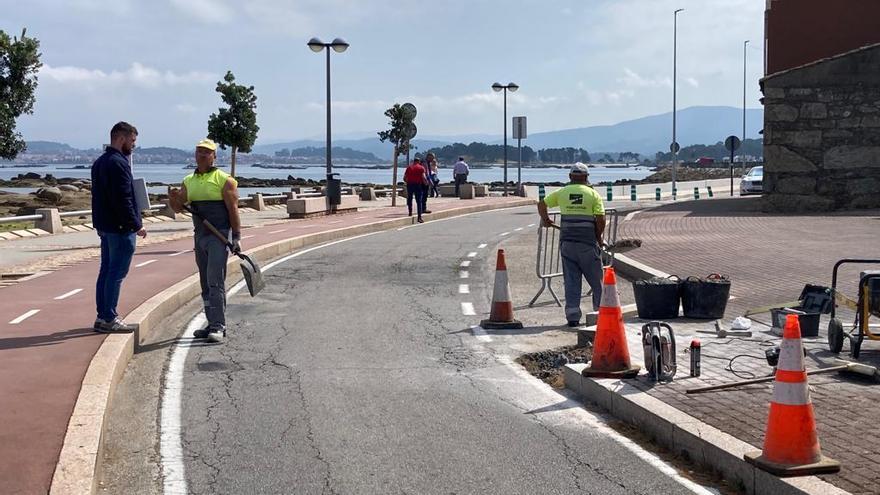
[80, 462]
[682, 433]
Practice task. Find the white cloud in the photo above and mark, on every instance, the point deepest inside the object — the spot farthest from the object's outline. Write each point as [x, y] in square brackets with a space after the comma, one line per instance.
[693, 82]
[185, 108]
[473, 102]
[633, 80]
[207, 11]
[137, 75]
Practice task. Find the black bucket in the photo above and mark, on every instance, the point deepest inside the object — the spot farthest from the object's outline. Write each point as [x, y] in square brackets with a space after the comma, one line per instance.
[705, 298]
[657, 298]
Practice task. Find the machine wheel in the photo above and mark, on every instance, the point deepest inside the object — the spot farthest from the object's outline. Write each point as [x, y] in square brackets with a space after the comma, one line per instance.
[835, 335]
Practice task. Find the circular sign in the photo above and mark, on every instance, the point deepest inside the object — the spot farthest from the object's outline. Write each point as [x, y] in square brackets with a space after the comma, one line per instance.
[674, 147]
[409, 111]
[732, 143]
[409, 131]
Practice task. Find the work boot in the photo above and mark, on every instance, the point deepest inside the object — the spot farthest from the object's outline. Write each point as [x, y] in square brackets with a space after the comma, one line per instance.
[98, 323]
[201, 333]
[216, 335]
[573, 324]
[420, 220]
[115, 326]
[426, 211]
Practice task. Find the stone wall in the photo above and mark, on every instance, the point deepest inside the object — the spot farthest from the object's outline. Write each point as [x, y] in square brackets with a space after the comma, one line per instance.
[822, 134]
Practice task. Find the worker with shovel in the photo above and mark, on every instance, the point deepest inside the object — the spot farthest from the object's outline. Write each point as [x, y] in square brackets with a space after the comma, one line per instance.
[212, 197]
[583, 225]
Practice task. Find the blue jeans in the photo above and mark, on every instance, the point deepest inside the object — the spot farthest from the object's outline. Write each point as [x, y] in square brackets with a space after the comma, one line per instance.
[116, 253]
[416, 191]
[580, 261]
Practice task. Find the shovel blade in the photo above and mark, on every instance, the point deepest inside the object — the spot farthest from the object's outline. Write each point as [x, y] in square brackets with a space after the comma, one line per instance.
[253, 277]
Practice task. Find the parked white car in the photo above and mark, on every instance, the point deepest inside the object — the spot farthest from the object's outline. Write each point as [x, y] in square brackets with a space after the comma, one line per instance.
[752, 182]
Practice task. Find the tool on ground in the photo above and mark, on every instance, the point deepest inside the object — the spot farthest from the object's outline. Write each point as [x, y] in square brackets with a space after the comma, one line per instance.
[846, 367]
[610, 348]
[250, 270]
[501, 316]
[659, 350]
[722, 333]
[791, 445]
[695, 357]
[866, 306]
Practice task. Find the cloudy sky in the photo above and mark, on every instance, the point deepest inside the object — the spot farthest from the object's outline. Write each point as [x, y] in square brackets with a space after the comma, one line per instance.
[155, 63]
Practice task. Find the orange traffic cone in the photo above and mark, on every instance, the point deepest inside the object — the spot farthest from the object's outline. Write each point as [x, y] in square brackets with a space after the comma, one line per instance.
[610, 350]
[791, 447]
[501, 316]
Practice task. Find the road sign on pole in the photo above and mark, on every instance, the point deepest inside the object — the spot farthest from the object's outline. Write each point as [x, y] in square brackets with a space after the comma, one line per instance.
[732, 144]
[519, 128]
[519, 133]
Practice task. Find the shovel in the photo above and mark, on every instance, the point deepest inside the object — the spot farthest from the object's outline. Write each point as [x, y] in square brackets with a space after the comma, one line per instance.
[253, 277]
[619, 247]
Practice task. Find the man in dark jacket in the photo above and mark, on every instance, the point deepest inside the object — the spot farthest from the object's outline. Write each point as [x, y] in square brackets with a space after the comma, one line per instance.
[117, 220]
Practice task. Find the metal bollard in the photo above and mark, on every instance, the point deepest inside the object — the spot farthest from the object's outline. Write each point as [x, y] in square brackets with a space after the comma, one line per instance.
[541, 192]
[608, 193]
[674, 193]
[709, 189]
[696, 193]
[632, 192]
[657, 194]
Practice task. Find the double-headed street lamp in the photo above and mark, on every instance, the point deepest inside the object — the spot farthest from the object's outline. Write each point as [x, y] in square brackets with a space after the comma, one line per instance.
[674, 146]
[338, 45]
[745, 59]
[512, 87]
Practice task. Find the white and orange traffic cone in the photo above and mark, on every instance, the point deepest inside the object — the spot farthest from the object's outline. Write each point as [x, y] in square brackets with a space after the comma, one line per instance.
[501, 316]
[610, 349]
[791, 445]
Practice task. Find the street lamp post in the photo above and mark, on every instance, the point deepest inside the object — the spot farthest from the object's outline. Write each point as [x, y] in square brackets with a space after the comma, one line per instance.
[338, 45]
[500, 87]
[674, 147]
[745, 59]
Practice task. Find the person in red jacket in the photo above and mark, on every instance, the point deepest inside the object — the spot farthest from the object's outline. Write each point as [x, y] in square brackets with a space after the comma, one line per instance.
[416, 178]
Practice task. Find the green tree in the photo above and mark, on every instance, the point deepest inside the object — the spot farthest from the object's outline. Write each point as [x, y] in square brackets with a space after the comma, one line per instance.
[19, 64]
[397, 135]
[235, 126]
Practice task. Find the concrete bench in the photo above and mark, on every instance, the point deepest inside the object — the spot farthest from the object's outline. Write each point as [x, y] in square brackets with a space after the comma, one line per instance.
[314, 207]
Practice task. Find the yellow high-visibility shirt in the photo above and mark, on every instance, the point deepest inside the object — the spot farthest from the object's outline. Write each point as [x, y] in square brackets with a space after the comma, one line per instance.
[207, 186]
[576, 199]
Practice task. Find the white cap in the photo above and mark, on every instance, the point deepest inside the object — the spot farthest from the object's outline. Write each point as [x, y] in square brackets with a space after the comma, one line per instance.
[580, 168]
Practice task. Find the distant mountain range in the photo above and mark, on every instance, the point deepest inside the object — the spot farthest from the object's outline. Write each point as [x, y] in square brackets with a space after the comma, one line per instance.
[646, 135]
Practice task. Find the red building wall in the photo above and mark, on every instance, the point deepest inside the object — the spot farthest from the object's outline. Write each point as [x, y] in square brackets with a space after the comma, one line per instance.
[798, 32]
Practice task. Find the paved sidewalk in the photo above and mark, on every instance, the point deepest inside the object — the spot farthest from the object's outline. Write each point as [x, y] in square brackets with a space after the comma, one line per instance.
[46, 341]
[769, 259]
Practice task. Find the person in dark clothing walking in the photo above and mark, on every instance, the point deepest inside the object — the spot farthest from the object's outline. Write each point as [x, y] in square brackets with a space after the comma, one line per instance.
[430, 160]
[416, 180]
[117, 220]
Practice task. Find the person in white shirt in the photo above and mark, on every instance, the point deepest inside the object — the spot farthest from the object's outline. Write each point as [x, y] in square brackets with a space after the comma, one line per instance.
[460, 173]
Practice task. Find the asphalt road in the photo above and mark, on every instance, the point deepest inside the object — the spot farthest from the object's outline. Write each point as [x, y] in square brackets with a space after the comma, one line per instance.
[358, 371]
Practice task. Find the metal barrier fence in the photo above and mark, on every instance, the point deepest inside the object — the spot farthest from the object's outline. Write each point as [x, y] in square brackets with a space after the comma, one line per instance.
[548, 263]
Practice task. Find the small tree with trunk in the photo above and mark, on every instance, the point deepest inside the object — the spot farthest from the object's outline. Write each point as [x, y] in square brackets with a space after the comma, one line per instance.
[19, 64]
[235, 126]
[397, 136]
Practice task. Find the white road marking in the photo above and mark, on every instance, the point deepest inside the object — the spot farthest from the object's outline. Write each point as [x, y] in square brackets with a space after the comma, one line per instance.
[532, 224]
[481, 246]
[187, 251]
[517, 229]
[465, 264]
[145, 263]
[277, 231]
[24, 317]
[334, 222]
[463, 274]
[68, 294]
[481, 334]
[472, 254]
[248, 236]
[464, 289]
[359, 218]
[467, 309]
[504, 234]
[631, 215]
[170, 448]
[571, 409]
[306, 226]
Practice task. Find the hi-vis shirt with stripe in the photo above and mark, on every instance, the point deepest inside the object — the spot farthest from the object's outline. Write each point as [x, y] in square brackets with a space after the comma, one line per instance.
[207, 186]
[579, 205]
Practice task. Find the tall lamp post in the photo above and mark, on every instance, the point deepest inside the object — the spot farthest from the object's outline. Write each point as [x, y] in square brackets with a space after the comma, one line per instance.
[674, 146]
[512, 87]
[338, 45]
[745, 59]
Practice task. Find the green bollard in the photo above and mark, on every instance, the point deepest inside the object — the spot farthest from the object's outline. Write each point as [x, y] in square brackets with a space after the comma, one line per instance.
[632, 192]
[674, 193]
[657, 194]
[696, 193]
[709, 189]
[608, 193]
[541, 192]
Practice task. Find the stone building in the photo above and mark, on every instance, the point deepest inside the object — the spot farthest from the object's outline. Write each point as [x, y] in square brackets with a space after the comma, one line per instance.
[822, 124]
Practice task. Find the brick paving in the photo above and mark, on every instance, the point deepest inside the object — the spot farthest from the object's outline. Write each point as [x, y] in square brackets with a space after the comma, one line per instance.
[768, 258]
